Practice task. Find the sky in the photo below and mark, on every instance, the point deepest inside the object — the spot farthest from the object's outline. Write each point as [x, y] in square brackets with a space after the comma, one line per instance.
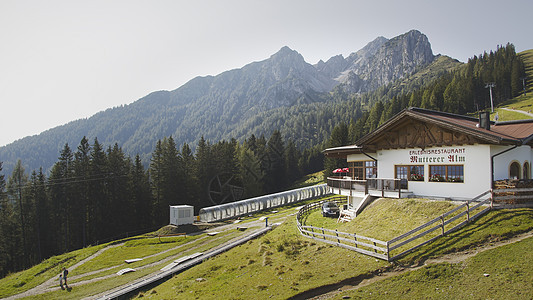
[63, 60]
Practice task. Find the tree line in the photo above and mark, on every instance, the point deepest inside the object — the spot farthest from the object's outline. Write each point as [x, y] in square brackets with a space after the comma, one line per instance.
[461, 91]
[93, 195]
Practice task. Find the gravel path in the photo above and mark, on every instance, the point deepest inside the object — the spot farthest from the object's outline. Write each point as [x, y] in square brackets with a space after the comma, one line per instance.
[518, 111]
[52, 283]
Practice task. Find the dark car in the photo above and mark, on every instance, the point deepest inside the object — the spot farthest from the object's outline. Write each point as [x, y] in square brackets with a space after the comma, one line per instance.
[330, 209]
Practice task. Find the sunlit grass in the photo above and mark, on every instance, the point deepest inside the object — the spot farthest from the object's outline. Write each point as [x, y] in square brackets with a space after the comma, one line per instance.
[500, 273]
[282, 263]
[36, 275]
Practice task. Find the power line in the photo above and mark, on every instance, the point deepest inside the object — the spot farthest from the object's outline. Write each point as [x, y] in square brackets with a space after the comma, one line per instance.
[69, 180]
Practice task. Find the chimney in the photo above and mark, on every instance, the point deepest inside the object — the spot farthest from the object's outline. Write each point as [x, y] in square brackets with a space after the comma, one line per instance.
[484, 120]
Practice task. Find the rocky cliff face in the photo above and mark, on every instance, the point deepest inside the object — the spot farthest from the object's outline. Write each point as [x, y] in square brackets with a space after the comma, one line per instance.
[380, 62]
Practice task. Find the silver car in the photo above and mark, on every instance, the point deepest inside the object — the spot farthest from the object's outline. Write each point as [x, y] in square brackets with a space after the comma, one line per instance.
[330, 209]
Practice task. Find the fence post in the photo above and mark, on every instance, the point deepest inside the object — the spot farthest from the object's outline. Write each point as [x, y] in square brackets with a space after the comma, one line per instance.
[491, 198]
[355, 238]
[323, 234]
[399, 190]
[467, 211]
[388, 251]
[337, 234]
[375, 250]
[442, 224]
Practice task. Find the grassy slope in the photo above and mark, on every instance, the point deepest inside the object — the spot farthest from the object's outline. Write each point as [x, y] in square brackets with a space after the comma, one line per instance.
[24, 280]
[112, 260]
[385, 219]
[522, 102]
[509, 276]
[279, 264]
[283, 263]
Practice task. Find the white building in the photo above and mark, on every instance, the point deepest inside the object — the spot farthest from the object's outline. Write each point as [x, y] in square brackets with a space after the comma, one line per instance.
[181, 214]
[435, 154]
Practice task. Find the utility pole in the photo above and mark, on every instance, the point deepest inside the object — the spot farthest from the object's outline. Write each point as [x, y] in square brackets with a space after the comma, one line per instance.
[524, 84]
[490, 85]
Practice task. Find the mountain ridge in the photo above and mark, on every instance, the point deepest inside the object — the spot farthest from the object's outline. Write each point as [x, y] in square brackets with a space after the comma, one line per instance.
[215, 106]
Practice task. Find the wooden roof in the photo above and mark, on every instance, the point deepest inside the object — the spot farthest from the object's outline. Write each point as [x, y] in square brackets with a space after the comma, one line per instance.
[420, 128]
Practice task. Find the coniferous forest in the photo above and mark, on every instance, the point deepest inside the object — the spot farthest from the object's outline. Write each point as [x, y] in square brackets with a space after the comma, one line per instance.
[95, 193]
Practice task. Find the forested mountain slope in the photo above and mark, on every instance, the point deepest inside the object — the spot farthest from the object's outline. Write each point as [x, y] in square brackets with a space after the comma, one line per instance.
[257, 98]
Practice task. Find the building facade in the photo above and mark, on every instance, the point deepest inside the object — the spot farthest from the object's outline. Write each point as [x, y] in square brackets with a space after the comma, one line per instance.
[443, 155]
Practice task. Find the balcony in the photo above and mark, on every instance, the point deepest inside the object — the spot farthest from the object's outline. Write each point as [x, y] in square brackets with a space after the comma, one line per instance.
[378, 187]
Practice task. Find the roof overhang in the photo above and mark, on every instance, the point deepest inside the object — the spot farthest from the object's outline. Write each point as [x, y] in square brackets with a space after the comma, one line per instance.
[342, 152]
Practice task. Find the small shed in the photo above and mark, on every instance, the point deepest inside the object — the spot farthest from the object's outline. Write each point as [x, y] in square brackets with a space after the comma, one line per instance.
[181, 214]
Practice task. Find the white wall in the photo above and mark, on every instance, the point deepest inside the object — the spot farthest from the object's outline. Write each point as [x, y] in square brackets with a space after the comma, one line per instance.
[475, 158]
[503, 161]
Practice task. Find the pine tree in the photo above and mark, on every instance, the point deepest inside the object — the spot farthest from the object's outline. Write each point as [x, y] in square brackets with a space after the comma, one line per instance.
[82, 166]
[339, 137]
[141, 194]
[251, 174]
[9, 234]
[41, 212]
[291, 158]
[275, 179]
[119, 216]
[190, 179]
[97, 194]
[15, 188]
[60, 199]
[204, 172]
[156, 182]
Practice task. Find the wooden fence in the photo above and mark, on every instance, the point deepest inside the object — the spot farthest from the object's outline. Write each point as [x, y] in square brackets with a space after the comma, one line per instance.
[355, 242]
[386, 250]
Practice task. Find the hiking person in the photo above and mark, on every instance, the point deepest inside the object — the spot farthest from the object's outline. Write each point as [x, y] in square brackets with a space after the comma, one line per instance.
[61, 281]
[65, 273]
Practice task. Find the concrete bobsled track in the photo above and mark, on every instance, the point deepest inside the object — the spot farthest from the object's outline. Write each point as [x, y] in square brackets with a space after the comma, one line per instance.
[243, 207]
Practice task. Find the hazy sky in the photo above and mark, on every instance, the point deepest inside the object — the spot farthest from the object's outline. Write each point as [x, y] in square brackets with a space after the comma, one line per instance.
[65, 60]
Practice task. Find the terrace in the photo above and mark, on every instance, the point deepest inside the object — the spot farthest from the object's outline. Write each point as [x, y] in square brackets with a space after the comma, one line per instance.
[377, 187]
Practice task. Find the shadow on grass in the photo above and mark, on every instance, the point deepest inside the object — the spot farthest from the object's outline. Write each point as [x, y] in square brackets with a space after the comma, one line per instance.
[496, 225]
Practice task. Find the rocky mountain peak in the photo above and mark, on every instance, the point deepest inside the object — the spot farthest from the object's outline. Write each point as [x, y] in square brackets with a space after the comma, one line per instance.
[383, 61]
[286, 53]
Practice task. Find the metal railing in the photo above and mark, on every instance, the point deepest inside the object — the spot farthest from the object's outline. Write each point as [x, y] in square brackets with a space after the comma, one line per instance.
[374, 186]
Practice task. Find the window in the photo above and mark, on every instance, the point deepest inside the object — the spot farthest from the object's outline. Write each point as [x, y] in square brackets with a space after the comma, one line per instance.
[371, 170]
[514, 170]
[402, 172]
[446, 173]
[363, 169]
[411, 173]
[416, 173]
[356, 169]
[526, 171]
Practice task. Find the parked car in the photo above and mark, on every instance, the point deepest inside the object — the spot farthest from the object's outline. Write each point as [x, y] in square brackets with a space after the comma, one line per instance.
[330, 209]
